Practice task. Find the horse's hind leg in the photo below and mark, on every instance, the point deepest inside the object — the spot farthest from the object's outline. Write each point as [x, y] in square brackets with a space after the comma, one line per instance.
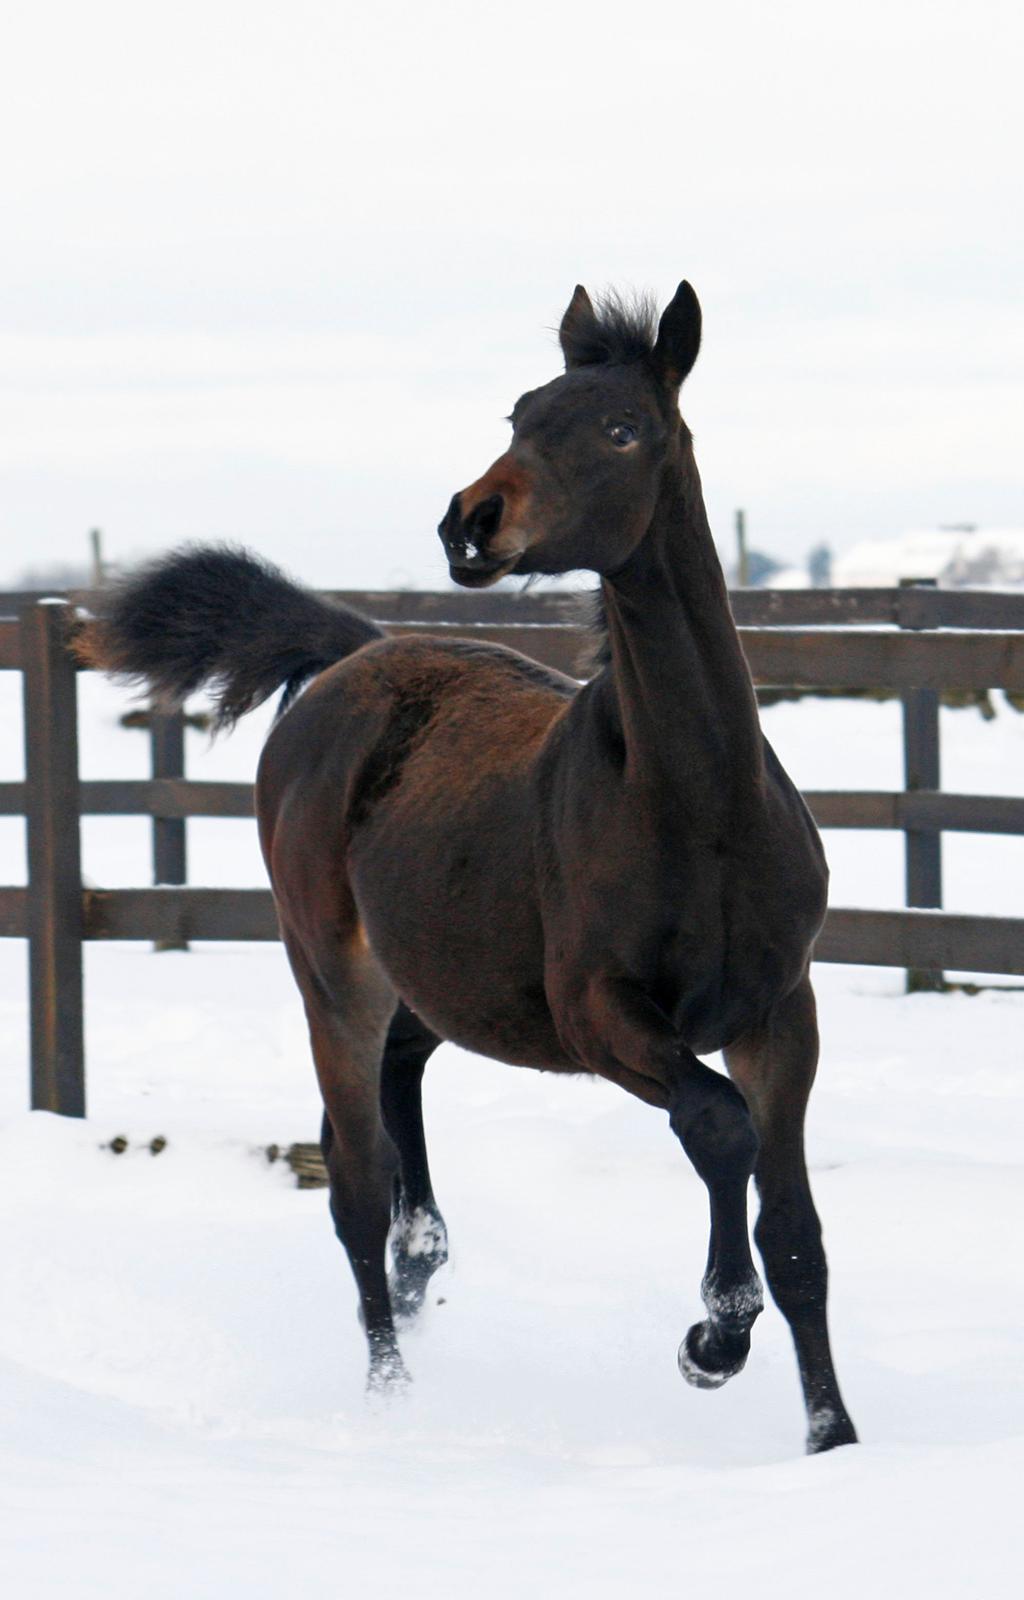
[348, 1003]
[775, 1069]
[418, 1239]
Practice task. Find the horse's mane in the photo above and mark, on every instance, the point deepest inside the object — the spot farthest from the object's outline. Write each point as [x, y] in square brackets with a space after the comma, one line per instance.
[619, 329]
[615, 329]
[596, 651]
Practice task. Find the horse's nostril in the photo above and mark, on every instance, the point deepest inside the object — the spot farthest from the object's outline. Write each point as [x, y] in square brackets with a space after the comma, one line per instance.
[484, 520]
[465, 538]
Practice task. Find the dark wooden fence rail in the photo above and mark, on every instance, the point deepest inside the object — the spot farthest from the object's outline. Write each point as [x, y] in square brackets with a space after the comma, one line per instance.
[914, 641]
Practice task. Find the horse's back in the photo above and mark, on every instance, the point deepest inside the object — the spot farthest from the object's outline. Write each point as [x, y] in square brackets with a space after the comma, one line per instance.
[357, 724]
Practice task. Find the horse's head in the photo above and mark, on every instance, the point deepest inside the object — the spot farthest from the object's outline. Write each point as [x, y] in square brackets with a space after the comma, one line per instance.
[578, 484]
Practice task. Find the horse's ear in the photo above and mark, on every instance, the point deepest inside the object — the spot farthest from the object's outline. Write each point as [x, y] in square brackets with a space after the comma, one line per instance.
[678, 340]
[577, 322]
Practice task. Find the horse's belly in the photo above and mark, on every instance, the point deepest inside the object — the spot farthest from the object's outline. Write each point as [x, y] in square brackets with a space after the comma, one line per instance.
[456, 929]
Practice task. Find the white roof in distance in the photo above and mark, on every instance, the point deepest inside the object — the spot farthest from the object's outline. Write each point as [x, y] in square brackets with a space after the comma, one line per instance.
[954, 557]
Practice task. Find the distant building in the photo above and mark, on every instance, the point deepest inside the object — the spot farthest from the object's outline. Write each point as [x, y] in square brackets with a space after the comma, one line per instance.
[764, 572]
[956, 557]
[819, 566]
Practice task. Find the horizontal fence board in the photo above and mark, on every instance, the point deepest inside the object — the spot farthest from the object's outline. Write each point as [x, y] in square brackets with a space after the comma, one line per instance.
[925, 940]
[10, 645]
[909, 607]
[398, 605]
[569, 607]
[13, 799]
[13, 913]
[932, 809]
[928, 941]
[959, 608]
[870, 659]
[766, 608]
[809, 659]
[803, 608]
[164, 797]
[179, 914]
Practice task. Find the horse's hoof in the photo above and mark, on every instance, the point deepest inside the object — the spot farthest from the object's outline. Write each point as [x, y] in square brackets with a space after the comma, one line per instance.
[419, 1246]
[407, 1291]
[694, 1370]
[388, 1377]
[828, 1429]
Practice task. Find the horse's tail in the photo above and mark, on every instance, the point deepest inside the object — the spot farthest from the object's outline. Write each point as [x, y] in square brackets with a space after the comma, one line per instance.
[216, 616]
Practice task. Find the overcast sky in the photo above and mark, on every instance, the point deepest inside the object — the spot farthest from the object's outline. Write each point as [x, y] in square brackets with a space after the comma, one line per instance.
[276, 272]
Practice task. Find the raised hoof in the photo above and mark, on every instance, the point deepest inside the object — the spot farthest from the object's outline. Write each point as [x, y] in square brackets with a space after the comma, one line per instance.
[419, 1246]
[827, 1430]
[695, 1371]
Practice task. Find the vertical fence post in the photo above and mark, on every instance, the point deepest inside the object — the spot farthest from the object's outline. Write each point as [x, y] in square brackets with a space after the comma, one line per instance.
[923, 847]
[167, 758]
[742, 553]
[54, 862]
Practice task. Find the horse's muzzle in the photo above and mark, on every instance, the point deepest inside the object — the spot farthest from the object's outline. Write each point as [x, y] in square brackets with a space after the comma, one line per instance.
[465, 540]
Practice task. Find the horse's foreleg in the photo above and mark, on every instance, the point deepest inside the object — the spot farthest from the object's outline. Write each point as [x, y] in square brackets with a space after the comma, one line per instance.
[775, 1069]
[641, 1050]
[715, 1129]
[348, 1003]
[418, 1239]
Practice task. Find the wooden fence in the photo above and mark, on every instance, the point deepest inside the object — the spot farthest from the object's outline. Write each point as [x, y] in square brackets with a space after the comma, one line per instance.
[914, 641]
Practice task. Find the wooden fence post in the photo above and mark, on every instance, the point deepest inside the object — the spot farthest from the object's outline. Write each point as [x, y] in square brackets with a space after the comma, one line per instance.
[167, 757]
[54, 862]
[921, 770]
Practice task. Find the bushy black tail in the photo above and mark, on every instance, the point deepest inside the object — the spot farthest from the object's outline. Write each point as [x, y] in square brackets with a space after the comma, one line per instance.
[214, 616]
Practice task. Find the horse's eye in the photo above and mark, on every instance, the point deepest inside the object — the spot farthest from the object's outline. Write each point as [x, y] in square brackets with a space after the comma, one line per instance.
[622, 433]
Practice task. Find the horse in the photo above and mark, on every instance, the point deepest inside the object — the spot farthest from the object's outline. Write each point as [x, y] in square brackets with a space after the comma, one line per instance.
[615, 879]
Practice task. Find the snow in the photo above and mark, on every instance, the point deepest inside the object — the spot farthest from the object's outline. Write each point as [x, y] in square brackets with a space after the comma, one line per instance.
[789, 578]
[181, 1370]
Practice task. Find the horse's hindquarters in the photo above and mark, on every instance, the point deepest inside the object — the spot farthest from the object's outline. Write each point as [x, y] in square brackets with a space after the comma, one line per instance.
[398, 810]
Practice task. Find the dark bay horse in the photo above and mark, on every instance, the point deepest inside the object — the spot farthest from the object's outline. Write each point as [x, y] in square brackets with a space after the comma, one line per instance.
[614, 879]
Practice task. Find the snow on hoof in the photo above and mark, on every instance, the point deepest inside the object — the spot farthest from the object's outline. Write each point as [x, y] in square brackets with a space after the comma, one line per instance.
[408, 1294]
[388, 1377]
[419, 1236]
[695, 1373]
[419, 1246]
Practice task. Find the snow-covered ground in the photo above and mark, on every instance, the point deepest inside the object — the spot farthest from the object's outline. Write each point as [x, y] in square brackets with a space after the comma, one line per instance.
[180, 1366]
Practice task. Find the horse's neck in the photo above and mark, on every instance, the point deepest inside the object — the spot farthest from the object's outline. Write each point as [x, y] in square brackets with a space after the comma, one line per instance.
[679, 687]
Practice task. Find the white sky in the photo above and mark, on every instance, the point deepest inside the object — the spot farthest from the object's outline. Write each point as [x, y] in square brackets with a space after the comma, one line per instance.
[276, 272]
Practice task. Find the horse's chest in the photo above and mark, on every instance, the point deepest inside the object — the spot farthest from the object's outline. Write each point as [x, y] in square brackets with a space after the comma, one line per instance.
[708, 931]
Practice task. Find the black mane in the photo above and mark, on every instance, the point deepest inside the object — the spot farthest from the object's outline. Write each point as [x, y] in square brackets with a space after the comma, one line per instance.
[617, 329]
